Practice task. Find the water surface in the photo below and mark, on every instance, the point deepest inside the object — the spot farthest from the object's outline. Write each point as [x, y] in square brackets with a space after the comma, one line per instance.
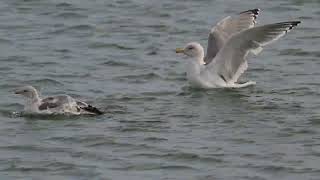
[119, 55]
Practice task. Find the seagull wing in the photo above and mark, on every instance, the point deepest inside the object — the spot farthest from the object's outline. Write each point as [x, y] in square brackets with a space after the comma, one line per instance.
[231, 61]
[54, 103]
[227, 27]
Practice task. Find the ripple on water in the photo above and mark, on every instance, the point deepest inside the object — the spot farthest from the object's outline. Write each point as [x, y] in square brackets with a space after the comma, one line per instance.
[159, 93]
[96, 45]
[8, 111]
[75, 30]
[152, 51]
[86, 140]
[282, 8]
[64, 5]
[117, 63]
[139, 78]
[315, 119]
[299, 52]
[5, 41]
[71, 75]
[70, 15]
[16, 58]
[32, 148]
[43, 82]
[181, 156]
[154, 166]
[155, 139]
[297, 91]
[62, 168]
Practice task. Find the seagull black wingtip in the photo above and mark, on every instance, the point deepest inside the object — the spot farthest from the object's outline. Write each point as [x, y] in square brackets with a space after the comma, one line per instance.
[253, 11]
[93, 110]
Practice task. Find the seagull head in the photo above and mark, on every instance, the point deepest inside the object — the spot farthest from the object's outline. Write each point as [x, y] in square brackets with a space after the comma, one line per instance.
[27, 91]
[192, 49]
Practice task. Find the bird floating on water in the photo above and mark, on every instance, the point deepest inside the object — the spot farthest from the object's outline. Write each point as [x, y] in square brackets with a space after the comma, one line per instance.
[61, 104]
[229, 44]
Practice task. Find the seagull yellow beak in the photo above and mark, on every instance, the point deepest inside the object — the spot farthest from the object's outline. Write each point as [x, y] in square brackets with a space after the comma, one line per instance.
[179, 50]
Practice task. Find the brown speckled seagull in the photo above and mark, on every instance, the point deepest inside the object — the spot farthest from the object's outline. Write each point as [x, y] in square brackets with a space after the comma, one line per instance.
[61, 104]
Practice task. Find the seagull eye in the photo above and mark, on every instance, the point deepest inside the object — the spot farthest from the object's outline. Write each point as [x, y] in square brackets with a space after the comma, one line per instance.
[190, 48]
[25, 91]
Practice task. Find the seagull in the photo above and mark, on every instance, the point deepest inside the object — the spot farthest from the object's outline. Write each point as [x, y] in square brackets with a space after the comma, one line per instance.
[61, 104]
[229, 44]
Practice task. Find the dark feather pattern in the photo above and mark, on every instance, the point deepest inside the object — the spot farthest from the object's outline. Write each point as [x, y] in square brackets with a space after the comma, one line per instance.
[88, 108]
[47, 105]
[92, 109]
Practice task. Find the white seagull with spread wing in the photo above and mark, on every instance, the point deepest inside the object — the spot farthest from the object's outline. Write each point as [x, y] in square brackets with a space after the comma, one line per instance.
[229, 44]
